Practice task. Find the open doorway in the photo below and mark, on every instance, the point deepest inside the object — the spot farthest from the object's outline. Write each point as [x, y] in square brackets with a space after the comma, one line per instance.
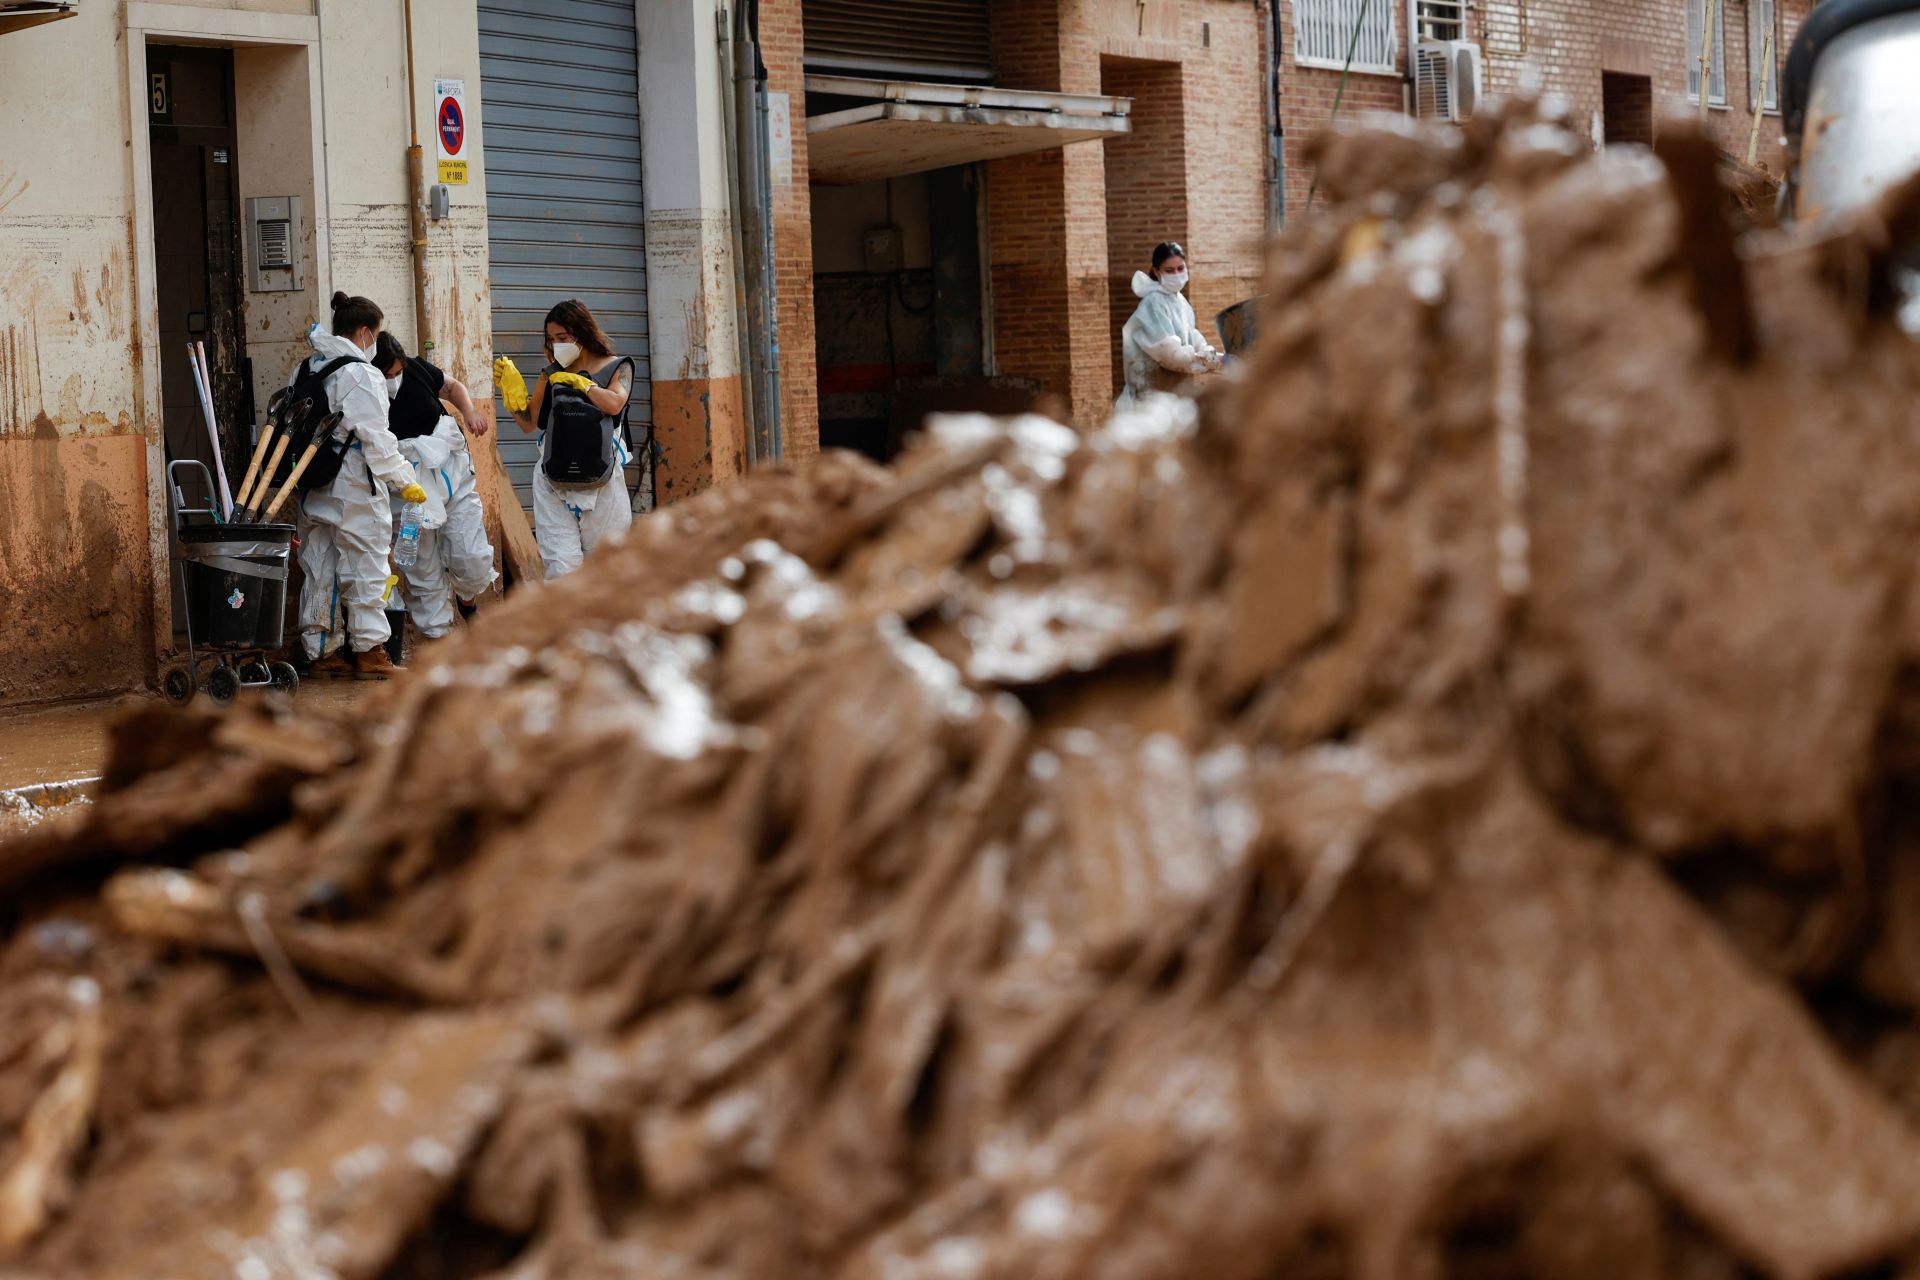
[196, 239]
[898, 307]
[1626, 108]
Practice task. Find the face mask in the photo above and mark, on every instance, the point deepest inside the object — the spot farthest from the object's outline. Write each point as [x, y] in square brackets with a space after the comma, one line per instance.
[1174, 281]
[369, 349]
[393, 385]
[566, 353]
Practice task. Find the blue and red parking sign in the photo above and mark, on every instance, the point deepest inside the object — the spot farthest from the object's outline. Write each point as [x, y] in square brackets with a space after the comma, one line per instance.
[450, 130]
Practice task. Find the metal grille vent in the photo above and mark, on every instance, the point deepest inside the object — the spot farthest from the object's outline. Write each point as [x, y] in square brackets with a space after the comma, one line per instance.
[276, 244]
[915, 39]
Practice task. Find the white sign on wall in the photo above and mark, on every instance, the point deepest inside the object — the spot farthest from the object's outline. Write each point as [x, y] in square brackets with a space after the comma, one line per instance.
[780, 138]
[450, 130]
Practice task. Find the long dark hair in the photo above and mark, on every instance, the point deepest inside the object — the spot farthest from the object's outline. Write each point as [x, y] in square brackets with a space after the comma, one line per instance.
[1164, 250]
[573, 316]
[351, 314]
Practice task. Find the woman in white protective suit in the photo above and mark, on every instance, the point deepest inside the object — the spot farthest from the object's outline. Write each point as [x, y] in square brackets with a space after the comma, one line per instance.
[455, 561]
[569, 522]
[345, 527]
[1160, 346]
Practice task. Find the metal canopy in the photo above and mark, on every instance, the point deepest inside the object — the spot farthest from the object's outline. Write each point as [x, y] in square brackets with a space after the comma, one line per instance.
[18, 15]
[912, 128]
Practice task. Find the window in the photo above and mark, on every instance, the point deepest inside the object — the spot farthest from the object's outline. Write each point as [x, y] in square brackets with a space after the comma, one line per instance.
[1696, 13]
[1760, 22]
[1323, 31]
[1441, 19]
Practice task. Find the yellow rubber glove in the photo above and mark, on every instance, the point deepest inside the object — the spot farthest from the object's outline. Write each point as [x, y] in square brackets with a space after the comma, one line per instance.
[413, 493]
[513, 387]
[578, 381]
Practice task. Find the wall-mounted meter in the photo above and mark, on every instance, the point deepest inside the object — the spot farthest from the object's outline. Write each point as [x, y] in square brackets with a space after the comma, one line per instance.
[274, 238]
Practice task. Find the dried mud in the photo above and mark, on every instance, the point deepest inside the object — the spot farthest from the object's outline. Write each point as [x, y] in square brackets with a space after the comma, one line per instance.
[1436, 807]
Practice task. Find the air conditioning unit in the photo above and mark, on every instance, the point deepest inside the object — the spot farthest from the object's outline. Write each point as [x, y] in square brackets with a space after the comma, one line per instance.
[1446, 79]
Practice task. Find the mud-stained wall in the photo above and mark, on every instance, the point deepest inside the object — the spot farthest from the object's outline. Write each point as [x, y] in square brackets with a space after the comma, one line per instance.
[74, 593]
[81, 525]
[75, 606]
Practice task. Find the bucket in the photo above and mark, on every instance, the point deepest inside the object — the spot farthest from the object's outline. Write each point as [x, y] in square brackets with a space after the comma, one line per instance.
[236, 583]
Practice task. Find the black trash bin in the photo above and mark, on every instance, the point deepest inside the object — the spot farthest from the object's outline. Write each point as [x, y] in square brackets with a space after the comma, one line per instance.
[236, 583]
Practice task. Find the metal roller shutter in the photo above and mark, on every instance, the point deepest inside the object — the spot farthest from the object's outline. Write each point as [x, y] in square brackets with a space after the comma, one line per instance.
[916, 39]
[560, 114]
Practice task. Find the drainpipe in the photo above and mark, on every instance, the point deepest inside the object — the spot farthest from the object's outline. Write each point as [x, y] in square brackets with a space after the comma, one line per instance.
[742, 320]
[1269, 16]
[756, 200]
[416, 199]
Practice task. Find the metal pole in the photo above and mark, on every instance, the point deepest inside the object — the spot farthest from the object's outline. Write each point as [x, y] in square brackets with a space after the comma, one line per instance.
[756, 200]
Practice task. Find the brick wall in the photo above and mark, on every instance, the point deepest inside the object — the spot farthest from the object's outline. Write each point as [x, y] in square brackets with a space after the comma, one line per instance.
[1055, 241]
[1308, 94]
[1147, 195]
[1573, 41]
[780, 38]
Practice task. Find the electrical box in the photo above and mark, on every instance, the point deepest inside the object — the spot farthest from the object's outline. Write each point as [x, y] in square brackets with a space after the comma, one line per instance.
[881, 250]
[274, 239]
[437, 202]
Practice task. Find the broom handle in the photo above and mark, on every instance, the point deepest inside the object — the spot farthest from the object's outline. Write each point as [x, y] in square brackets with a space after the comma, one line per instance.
[266, 481]
[253, 468]
[298, 469]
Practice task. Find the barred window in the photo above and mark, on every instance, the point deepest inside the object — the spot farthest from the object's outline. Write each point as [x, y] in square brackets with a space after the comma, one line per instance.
[1696, 16]
[1761, 20]
[1441, 19]
[1324, 30]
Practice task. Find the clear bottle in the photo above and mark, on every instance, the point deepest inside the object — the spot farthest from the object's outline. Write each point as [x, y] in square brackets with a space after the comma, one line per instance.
[406, 545]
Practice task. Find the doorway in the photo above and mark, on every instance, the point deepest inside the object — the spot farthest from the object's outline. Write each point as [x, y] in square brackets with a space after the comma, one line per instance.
[196, 241]
[1626, 108]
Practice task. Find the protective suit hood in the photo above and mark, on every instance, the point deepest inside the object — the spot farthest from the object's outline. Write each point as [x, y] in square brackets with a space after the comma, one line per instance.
[1143, 284]
[332, 345]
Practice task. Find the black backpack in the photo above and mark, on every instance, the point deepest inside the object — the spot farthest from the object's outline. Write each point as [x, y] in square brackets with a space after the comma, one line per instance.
[579, 450]
[309, 412]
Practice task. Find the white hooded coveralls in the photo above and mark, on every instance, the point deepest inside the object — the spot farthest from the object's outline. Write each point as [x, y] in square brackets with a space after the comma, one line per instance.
[568, 523]
[455, 557]
[346, 528]
[1161, 334]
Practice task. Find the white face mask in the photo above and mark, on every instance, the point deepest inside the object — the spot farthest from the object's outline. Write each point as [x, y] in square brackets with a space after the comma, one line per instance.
[393, 385]
[565, 353]
[373, 342]
[1174, 281]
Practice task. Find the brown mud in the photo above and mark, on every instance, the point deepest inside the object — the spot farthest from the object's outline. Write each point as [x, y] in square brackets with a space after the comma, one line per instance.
[1437, 807]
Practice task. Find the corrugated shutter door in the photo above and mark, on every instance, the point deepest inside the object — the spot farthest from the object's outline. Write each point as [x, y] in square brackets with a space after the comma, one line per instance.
[918, 39]
[560, 110]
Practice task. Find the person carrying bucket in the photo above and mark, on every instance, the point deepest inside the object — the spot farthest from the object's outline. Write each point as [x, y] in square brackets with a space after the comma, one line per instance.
[345, 526]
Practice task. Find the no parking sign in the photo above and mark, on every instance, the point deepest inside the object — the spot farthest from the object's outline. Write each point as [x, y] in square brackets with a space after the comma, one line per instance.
[450, 130]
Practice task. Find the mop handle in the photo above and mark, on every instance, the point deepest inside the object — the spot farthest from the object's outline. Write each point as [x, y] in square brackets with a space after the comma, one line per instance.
[298, 469]
[197, 357]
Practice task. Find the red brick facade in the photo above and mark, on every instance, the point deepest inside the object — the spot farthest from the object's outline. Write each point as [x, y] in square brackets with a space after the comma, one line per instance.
[781, 36]
[1067, 228]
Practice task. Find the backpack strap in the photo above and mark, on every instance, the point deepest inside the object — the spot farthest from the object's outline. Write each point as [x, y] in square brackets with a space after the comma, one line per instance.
[309, 375]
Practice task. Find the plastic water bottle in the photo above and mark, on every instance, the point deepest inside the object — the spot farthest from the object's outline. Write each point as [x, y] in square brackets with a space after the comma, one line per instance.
[406, 547]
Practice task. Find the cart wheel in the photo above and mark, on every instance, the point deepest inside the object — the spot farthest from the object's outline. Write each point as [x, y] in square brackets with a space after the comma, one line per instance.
[222, 684]
[254, 671]
[178, 686]
[285, 677]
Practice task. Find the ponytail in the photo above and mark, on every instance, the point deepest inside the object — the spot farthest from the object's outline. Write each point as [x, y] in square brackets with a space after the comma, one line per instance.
[352, 314]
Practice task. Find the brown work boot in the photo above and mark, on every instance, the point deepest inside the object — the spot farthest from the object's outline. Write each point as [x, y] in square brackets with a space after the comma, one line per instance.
[335, 666]
[374, 664]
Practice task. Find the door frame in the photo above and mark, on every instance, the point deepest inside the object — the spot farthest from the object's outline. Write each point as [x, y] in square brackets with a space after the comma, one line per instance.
[231, 28]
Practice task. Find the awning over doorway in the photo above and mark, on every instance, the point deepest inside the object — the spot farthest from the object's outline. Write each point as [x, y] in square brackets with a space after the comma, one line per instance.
[18, 15]
[896, 127]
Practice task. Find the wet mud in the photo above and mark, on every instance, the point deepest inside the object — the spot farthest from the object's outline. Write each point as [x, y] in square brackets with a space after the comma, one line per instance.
[1438, 806]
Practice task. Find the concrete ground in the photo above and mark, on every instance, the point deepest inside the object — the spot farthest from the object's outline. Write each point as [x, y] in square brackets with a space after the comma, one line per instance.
[66, 740]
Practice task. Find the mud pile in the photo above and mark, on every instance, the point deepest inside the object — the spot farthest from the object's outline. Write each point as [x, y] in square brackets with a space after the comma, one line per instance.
[1434, 808]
